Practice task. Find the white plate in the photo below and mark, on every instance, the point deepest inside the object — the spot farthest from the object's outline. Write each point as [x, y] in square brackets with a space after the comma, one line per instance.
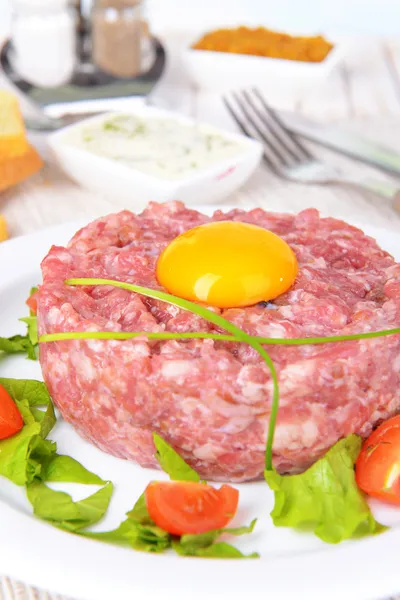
[291, 564]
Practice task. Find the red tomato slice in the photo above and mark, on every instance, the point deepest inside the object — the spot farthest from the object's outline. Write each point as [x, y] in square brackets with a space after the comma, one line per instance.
[181, 507]
[378, 464]
[10, 418]
[32, 303]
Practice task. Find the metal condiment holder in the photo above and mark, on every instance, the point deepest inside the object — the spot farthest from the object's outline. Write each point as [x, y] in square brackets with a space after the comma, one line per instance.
[88, 81]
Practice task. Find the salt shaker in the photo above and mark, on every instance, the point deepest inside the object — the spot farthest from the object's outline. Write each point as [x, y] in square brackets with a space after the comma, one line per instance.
[117, 32]
[44, 41]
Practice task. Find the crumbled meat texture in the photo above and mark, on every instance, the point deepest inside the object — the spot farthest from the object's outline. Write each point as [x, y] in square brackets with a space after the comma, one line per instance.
[211, 400]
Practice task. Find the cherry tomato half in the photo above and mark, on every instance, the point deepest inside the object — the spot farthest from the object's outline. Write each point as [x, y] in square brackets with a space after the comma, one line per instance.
[378, 464]
[32, 303]
[10, 418]
[181, 507]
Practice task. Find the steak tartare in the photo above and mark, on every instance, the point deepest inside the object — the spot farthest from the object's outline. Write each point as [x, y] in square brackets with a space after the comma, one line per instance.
[210, 399]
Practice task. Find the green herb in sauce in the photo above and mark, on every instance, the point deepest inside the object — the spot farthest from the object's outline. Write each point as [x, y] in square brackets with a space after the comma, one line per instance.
[163, 148]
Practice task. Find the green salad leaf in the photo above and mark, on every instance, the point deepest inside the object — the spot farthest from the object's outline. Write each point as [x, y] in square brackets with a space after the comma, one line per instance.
[14, 344]
[16, 460]
[119, 536]
[324, 499]
[31, 323]
[172, 463]
[22, 456]
[145, 538]
[24, 344]
[139, 512]
[35, 392]
[59, 509]
[205, 544]
[29, 455]
[138, 531]
[66, 469]
[18, 344]
[148, 538]
[47, 419]
[217, 550]
[190, 543]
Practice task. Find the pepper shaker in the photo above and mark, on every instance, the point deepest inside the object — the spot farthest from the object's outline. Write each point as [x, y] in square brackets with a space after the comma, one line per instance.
[43, 39]
[117, 33]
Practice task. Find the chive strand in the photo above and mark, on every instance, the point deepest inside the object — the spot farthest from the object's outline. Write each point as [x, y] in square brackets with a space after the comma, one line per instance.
[329, 339]
[208, 315]
[128, 335]
[274, 405]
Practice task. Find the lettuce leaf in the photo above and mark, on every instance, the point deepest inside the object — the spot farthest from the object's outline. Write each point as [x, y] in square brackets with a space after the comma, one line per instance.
[119, 536]
[35, 392]
[47, 419]
[325, 499]
[138, 531]
[18, 344]
[172, 463]
[66, 469]
[23, 343]
[217, 550]
[205, 544]
[139, 512]
[145, 538]
[31, 323]
[15, 455]
[29, 455]
[59, 509]
[23, 455]
[192, 542]
[28, 458]
[148, 538]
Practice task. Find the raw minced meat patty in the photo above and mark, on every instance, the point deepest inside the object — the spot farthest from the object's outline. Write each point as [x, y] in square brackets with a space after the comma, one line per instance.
[211, 400]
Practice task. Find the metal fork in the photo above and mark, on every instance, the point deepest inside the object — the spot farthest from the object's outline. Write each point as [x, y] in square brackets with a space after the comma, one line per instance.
[286, 156]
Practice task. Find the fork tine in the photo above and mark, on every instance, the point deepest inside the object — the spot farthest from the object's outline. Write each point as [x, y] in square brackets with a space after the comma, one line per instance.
[246, 130]
[236, 117]
[271, 165]
[278, 121]
[282, 136]
[266, 140]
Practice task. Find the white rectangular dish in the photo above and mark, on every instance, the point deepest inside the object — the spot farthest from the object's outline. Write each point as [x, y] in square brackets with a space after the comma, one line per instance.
[131, 175]
[223, 71]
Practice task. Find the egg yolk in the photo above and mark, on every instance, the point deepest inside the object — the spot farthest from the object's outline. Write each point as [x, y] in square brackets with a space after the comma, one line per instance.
[227, 264]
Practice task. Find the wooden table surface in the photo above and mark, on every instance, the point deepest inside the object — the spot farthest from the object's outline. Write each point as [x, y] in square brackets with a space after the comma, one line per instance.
[363, 95]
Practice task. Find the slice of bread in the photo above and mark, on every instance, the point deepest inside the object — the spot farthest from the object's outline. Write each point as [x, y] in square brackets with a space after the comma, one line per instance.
[14, 170]
[13, 141]
[3, 229]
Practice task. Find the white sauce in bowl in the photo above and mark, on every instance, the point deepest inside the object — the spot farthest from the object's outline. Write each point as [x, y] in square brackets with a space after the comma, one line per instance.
[163, 148]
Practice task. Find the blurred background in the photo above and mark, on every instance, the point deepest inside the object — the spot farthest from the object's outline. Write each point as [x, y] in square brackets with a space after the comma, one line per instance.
[144, 52]
[347, 17]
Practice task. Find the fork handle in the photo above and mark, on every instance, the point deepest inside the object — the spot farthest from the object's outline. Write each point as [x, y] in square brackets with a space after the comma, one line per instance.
[385, 189]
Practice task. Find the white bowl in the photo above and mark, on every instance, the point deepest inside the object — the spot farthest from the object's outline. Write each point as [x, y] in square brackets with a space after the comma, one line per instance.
[223, 71]
[132, 188]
